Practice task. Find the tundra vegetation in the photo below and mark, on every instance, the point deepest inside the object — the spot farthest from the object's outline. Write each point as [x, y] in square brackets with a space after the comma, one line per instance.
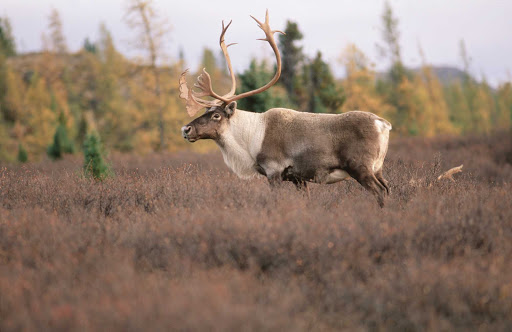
[177, 242]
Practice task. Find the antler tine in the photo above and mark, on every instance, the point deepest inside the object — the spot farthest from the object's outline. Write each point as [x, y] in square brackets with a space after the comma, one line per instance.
[204, 83]
[224, 48]
[269, 37]
[269, 33]
[192, 104]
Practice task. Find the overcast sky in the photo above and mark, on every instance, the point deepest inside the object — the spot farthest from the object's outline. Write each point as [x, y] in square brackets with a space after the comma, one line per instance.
[328, 26]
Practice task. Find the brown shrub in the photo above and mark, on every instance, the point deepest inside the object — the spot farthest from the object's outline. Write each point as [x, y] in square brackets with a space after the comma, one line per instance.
[177, 242]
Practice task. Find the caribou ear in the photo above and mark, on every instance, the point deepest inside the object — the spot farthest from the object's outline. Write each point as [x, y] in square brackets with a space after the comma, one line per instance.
[230, 109]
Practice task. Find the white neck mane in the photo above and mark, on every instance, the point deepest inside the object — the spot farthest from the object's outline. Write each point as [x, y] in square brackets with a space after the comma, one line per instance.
[241, 142]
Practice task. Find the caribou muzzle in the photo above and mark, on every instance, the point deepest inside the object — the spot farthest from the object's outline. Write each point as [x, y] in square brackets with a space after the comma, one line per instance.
[189, 133]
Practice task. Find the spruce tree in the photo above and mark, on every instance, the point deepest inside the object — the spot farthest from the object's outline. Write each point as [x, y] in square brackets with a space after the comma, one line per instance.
[61, 142]
[292, 57]
[325, 95]
[94, 162]
[7, 42]
[22, 154]
[254, 77]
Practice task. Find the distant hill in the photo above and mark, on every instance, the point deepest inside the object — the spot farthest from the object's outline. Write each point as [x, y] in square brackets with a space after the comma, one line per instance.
[445, 74]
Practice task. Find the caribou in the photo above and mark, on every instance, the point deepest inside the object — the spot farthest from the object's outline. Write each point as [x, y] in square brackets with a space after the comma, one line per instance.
[284, 144]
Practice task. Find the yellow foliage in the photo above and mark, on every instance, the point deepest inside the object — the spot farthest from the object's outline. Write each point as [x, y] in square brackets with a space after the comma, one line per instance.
[433, 114]
[359, 84]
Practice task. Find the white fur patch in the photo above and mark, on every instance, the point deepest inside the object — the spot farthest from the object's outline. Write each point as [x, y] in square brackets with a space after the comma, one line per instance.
[383, 128]
[242, 142]
[382, 125]
[336, 175]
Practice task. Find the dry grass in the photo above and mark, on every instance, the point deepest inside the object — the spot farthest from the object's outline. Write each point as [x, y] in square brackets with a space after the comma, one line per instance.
[176, 242]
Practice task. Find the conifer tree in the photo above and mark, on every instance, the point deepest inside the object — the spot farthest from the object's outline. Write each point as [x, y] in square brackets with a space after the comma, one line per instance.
[61, 142]
[7, 49]
[89, 46]
[22, 154]
[325, 96]
[7, 43]
[252, 78]
[94, 160]
[257, 75]
[292, 57]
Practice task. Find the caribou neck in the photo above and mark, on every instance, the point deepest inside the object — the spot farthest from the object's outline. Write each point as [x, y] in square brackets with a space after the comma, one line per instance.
[241, 142]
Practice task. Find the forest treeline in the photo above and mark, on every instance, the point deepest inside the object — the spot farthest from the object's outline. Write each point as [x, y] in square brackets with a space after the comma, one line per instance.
[57, 96]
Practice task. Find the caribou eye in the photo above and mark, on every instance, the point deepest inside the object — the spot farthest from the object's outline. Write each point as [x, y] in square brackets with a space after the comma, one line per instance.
[216, 116]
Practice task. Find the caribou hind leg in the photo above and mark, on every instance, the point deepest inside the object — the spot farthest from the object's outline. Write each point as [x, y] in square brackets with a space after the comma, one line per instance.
[383, 181]
[369, 181]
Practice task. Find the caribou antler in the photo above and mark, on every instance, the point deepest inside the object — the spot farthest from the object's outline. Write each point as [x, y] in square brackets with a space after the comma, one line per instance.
[224, 48]
[204, 82]
[269, 37]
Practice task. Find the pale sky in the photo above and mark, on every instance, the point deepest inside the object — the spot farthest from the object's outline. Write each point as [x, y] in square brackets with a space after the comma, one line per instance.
[328, 26]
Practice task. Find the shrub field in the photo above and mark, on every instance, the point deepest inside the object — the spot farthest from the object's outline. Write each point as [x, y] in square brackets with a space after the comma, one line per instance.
[178, 242]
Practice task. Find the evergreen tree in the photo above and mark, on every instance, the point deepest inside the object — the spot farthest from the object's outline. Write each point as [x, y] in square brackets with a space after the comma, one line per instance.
[7, 43]
[94, 161]
[83, 129]
[257, 75]
[325, 95]
[292, 56]
[89, 47]
[22, 154]
[61, 142]
[7, 49]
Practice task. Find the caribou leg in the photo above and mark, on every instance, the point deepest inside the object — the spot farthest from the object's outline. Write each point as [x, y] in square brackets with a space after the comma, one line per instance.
[383, 181]
[369, 181]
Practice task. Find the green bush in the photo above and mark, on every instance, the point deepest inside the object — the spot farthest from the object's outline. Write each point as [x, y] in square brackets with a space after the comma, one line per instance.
[94, 162]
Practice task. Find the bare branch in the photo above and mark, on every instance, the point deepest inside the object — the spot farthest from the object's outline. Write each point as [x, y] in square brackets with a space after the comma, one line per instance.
[449, 173]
